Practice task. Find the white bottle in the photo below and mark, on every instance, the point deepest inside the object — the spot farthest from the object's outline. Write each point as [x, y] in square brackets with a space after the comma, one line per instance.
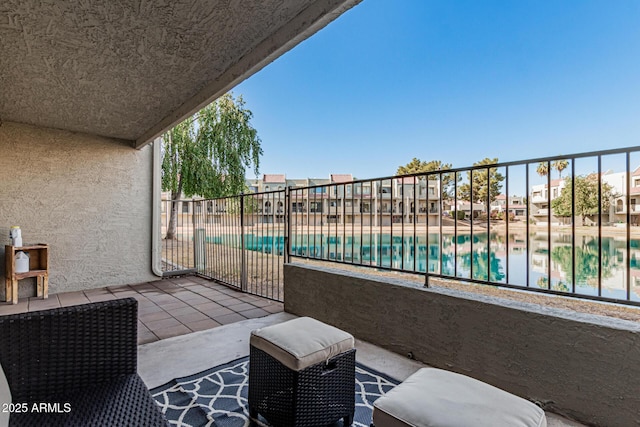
[16, 236]
[22, 262]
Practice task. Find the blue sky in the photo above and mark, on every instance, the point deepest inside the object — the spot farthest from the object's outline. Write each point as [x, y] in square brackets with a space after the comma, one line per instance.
[450, 80]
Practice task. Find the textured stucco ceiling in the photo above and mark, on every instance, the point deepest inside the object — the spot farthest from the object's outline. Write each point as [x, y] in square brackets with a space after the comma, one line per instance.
[131, 69]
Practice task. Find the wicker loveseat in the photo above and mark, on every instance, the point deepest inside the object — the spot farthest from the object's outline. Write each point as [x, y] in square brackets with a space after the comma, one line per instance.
[76, 366]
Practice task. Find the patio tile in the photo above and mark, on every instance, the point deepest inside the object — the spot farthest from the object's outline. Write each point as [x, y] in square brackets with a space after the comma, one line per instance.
[36, 303]
[202, 325]
[175, 306]
[212, 294]
[147, 337]
[194, 299]
[149, 307]
[193, 317]
[183, 311]
[209, 305]
[233, 295]
[100, 297]
[152, 317]
[215, 312]
[229, 291]
[156, 325]
[72, 298]
[261, 302]
[274, 307]
[249, 298]
[120, 288]
[96, 291]
[21, 307]
[253, 313]
[164, 299]
[229, 318]
[242, 306]
[172, 331]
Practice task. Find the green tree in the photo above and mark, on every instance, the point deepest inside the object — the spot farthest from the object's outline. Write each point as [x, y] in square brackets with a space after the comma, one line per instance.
[207, 154]
[417, 166]
[586, 200]
[484, 182]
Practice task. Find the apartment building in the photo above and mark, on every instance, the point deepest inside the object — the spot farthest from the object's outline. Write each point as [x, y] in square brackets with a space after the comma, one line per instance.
[340, 199]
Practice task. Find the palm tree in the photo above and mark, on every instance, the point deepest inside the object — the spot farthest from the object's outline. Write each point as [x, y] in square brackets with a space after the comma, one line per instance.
[543, 168]
[560, 165]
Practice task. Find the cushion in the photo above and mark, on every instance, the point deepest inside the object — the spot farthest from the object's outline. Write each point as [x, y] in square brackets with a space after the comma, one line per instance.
[5, 398]
[301, 342]
[437, 398]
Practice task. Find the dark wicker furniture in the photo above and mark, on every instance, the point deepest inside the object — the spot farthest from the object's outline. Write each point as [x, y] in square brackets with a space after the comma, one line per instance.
[84, 356]
[318, 395]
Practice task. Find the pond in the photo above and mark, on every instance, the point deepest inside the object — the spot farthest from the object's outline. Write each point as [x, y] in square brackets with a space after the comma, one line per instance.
[494, 258]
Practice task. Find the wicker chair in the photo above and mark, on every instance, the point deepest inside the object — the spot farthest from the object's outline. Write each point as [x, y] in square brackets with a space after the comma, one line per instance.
[84, 356]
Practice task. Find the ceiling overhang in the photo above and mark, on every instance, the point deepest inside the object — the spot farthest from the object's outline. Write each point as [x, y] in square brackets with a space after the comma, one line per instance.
[131, 70]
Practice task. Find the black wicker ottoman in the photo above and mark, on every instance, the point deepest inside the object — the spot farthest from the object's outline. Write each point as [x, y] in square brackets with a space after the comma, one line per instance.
[302, 374]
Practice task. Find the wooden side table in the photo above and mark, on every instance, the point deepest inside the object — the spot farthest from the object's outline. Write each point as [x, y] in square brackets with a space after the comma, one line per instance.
[38, 268]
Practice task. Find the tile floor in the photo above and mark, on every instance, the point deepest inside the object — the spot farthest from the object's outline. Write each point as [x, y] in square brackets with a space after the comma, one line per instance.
[168, 307]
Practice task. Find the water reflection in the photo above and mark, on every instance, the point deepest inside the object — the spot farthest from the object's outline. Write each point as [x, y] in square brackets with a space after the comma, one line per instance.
[494, 258]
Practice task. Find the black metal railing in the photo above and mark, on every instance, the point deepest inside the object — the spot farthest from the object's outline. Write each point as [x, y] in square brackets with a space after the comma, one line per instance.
[565, 225]
[238, 241]
[577, 237]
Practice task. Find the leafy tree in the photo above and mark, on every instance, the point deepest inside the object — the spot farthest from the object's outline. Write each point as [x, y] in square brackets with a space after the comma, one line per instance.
[207, 154]
[417, 166]
[586, 200]
[587, 263]
[478, 182]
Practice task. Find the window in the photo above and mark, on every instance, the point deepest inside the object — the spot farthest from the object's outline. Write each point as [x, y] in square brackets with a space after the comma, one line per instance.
[209, 207]
[315, 207]
[347, 203]
[185, 207]
[365, 207]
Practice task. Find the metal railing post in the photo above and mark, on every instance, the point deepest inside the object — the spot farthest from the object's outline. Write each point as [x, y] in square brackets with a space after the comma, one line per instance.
[243, 250]
[287, 225]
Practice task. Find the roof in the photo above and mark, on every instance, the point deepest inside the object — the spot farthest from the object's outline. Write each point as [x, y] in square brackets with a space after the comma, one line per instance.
[277, 178]
[131, 70]
[339, 178]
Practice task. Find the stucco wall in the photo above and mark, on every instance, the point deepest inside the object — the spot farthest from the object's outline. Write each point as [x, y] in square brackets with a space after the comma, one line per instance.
[586, 367]
[88, 197]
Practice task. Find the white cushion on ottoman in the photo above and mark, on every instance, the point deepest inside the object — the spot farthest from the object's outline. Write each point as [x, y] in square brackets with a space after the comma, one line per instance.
[437, 398]
[301, 342]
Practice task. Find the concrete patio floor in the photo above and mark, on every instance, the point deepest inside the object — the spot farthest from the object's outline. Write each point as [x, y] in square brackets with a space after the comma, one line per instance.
[189, 354]
[168, 307]
[189, 324]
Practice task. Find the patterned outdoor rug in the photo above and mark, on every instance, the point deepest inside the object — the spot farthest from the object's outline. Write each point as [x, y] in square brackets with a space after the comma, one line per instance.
[218, 396]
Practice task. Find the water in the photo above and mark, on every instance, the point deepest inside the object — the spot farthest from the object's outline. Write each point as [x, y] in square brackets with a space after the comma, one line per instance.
[494, 258]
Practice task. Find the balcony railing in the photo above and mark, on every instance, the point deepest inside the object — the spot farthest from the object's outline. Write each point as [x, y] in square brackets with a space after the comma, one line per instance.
[589, 247]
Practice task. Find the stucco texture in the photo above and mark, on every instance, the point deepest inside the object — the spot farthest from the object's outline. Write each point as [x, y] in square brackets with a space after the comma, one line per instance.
[584, 366]
[170, 57]
[88, 197]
